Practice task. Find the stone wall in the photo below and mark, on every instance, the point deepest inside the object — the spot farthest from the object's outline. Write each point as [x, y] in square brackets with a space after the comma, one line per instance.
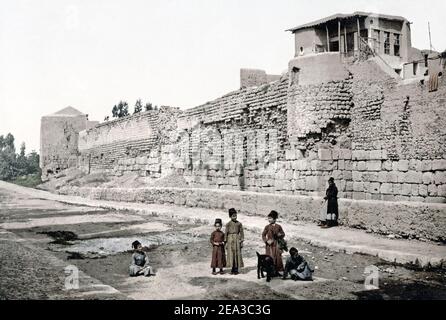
[423, 221]
[130, 144]
[380, 139]
[59, 142]
[255, 78]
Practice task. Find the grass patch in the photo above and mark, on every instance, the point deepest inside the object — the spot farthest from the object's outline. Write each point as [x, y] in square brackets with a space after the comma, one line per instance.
[30, 180]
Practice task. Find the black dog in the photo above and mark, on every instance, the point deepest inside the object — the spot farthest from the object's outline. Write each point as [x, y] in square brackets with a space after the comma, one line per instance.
[265, 264]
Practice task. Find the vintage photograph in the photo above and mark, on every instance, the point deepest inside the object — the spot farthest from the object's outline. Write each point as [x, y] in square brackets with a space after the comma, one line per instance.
[222, 151]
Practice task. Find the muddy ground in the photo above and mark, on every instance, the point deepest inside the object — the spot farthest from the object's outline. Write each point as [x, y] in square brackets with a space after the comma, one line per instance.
[98, 242]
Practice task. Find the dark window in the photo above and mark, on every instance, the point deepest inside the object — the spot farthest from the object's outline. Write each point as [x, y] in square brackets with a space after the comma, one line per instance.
[415, 68]
[386, 42]
[396, 44]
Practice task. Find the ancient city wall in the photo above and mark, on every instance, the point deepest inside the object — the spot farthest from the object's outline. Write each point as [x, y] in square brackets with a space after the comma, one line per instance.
[290, 136]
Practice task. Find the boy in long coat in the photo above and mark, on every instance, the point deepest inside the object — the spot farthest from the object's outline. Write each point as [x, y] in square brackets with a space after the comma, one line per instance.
[271, 235]
[218, 248]
[234, 242]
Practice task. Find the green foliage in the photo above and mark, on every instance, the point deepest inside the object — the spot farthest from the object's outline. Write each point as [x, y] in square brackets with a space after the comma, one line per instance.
[148, 106]
[14, 165]
[138, 106]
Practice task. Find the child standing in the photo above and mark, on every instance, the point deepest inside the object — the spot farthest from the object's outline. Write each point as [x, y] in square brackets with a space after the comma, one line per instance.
[272, 236]
[218, 248]
[234, 242]
[140, 261]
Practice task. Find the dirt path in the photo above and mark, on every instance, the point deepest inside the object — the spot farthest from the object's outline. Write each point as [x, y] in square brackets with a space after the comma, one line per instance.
[44, 236]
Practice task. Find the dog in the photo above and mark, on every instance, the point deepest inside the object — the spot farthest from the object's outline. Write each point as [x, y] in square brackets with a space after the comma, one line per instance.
[265, 264]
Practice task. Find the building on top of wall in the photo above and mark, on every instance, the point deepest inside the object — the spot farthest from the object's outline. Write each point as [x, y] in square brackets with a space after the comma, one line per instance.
[385, 36]
[59, 134]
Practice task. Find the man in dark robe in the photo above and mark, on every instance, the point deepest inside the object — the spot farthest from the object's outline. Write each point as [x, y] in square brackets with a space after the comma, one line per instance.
[331, 196]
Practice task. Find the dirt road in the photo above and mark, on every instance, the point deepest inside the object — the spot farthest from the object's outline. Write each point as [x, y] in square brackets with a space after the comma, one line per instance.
[40, 238]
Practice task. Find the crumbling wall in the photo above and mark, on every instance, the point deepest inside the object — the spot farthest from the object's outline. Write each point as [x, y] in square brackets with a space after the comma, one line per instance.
[255, 78]
[290, 136]
[59, 142]
[130, 144]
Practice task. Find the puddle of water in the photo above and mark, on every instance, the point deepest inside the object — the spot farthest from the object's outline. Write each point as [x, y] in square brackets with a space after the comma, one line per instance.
[109, 246]
[74, 219]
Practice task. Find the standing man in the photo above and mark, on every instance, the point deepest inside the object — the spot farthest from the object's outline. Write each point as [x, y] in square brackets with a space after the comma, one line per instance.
[331, 196]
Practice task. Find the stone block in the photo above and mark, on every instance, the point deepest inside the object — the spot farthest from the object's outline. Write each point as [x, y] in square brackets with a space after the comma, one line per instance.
[341, 164]
[358, 186]
[403, 165]
[402, 198]
[397, 188]
[441, 190]
[348, 165]
[440, 177]
[358, 196]
[436, 199]
[417, 199]
[386, 188]
[373, 165]
[375, 155]
[387, 165]
[439, 164]
[311, 183]
[422, 190]
[324, 154]
[374, 187]
[428, 178]
[426, 165]
[336, 154]
[415, 164]
[414, 190]
[388, 197]
[347, 175]
[406, 189]
[345, 154]
[360, 155]
[357, 176]
[432, 190]
[362, 166]
[413, 177]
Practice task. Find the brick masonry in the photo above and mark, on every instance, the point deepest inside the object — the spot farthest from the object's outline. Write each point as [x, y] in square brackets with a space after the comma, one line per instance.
[284, 137]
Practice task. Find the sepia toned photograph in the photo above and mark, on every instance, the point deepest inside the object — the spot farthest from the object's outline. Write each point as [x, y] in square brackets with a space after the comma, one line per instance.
[230, 152]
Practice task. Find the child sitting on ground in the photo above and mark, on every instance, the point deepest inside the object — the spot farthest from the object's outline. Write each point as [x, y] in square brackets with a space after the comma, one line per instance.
[297, 267]
[140, 262]
[218, 248]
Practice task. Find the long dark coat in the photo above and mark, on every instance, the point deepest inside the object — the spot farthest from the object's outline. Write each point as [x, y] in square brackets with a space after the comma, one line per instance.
[332, 199]
[274, 232]
[218, 251]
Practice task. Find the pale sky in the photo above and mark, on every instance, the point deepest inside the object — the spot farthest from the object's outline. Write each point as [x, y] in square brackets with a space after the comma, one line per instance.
[92, 53]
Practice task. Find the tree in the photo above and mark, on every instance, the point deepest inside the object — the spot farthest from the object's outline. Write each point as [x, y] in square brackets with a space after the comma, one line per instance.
[8, 158]
[138, 106]
[13, 165]
[21, 161]
[115, 111]
[148, 106]
[123, 109]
